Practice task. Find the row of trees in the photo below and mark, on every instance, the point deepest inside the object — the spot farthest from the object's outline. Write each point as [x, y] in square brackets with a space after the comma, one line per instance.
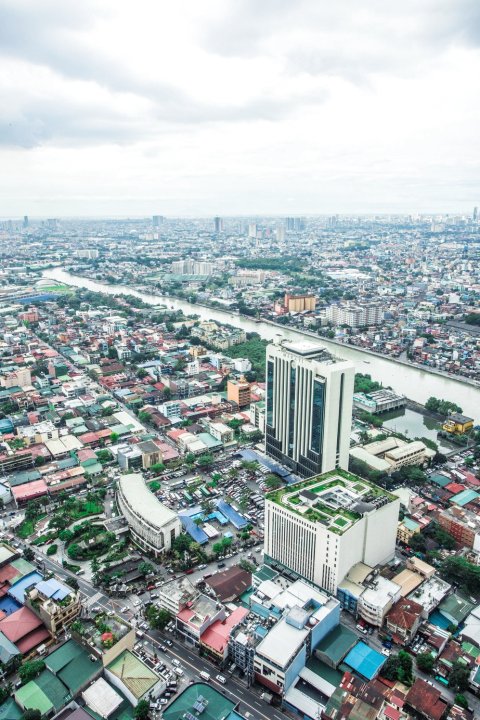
[442, 407]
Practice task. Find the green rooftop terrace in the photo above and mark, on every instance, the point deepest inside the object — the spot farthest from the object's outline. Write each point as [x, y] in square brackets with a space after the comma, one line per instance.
[336, 499]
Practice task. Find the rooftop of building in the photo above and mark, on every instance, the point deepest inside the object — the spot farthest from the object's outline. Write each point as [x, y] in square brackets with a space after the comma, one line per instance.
[282, 643]
[337, 644]
[365, 660]
[144, 502]
[336, 499]
[308, 349]
[199, 695]
[133, 673]
[179, 590]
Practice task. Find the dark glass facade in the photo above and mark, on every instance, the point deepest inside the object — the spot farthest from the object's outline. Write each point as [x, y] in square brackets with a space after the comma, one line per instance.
[270, 375]
[291, 415]
[318, 413]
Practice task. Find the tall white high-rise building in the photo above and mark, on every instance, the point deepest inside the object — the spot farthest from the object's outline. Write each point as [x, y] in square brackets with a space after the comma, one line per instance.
[318, 529]
[355, 315]
[308, 407]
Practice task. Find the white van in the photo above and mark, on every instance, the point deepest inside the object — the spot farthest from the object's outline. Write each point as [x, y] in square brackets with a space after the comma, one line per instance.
[221, 679]
[205, 676]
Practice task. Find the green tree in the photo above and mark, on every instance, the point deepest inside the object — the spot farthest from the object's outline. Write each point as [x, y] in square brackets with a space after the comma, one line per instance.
[114, 437]
[73, 582]
[104, 456]
[425, 662]
[157, 467]
[245, 565]
[181, 543]
[273, 482]
[442, 407]
[461, 571]
[75, 551]
[458, 679]
[28, 554]
[6, 692]
[32, 714]
[52, 549]
[206, 460]
[30, 669]
[189, 458]
[461, 700]
[142, 710]
[145, 568]
[144, 417]
[158, 617]
[399, 667]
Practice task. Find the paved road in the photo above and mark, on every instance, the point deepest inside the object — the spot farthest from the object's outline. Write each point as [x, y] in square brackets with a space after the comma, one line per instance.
[193, 664]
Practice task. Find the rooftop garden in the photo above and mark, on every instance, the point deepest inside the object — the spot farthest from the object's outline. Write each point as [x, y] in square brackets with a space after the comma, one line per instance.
[103, 632]
[336, 518]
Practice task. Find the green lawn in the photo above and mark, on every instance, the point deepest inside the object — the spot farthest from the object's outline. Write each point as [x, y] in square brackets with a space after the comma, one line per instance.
[27, 527]
[87, 508]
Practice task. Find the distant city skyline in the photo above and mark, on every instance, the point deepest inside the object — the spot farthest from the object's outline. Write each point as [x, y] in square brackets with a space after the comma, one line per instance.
[229, 109]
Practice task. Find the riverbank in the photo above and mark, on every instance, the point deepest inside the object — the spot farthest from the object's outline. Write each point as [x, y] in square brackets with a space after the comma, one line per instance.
[415, 382]
[319, 338]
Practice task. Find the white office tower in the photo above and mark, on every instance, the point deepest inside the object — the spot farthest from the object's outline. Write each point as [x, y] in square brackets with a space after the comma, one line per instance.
[318, 529]
[308, 407]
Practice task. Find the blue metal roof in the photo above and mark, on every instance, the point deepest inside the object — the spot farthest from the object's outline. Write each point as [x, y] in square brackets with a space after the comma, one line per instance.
[193, 530]
[237, 520]
[17, 591]
[364, 660]
[54, 589]
[464, 497]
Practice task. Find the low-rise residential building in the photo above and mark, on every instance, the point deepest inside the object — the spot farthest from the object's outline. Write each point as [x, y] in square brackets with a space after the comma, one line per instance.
[377, 599]
[214, 642]
[176, 594]
[403, 620]
[306, 617]
[462, 524]
[406, 529]
[56, 604]
[194, 619]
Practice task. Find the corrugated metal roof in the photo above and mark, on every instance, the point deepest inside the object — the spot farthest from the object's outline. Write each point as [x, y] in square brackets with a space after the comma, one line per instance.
[136, 676]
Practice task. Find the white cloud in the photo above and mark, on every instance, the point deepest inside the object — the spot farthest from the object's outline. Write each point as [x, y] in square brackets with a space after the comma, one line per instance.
[238, 106]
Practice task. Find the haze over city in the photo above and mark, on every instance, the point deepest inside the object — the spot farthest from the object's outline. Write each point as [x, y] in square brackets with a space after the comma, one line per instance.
[238, 107]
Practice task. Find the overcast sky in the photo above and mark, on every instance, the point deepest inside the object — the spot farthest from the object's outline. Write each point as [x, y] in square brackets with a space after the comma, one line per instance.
[199, 107]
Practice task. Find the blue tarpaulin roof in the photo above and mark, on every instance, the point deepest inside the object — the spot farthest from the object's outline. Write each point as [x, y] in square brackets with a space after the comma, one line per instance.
[364, 660]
